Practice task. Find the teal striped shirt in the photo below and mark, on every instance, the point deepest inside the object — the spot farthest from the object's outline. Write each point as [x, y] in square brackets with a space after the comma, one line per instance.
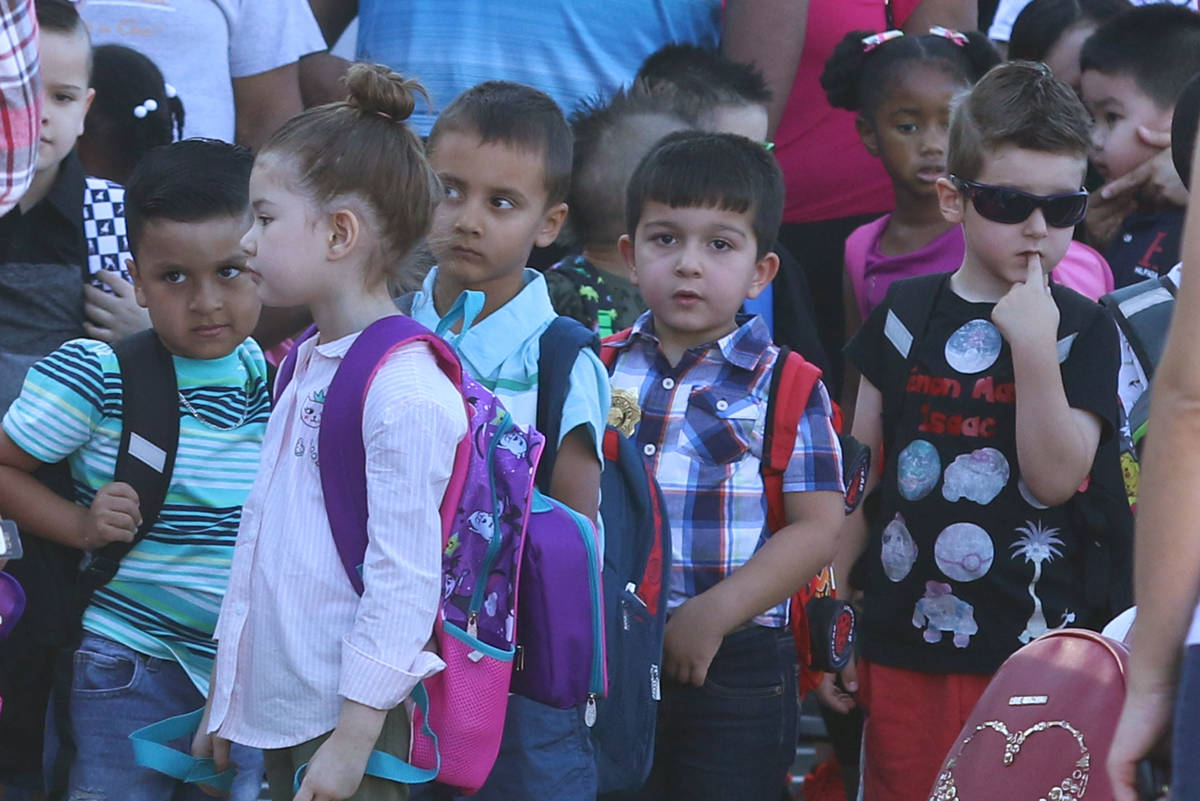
[165, 598]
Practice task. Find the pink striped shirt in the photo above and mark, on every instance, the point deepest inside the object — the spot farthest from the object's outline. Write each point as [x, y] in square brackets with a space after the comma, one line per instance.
[20, 100]
[294, 637]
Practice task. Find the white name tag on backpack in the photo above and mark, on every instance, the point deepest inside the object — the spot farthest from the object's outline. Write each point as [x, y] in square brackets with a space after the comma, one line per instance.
[146, 451]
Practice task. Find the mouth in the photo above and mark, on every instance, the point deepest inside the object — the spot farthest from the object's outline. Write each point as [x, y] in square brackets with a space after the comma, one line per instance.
[687, 297]
[209, 331]
[931, 173]
[462, 251]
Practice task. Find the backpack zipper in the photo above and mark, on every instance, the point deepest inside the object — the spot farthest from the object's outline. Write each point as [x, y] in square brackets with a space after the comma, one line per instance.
[493, 549]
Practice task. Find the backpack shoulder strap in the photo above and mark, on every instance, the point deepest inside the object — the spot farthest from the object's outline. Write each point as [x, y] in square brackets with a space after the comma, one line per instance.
[287, 368]
[343, 454]
[149, 441]
[910, 304]
[792, 382]
[1143, 312]
[609, 352]
[558, 348]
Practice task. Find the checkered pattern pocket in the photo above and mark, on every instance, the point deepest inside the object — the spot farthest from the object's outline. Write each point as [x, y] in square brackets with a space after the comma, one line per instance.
[104, 228]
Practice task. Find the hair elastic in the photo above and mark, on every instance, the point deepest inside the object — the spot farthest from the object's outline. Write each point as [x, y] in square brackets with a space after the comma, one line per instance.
[386, 116]
[147, 106]
[169, 90]
[957, 37]
[873, 41]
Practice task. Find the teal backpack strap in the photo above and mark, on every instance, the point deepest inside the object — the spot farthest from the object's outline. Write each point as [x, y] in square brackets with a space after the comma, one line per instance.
[150, 750]
[391, 767]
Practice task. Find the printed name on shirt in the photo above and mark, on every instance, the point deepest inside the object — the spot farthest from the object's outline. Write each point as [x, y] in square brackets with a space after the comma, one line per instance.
[985, 389]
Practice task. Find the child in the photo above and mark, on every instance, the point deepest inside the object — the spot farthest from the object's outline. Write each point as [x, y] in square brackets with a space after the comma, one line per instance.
[1053, 31]
[133, 112]
[503, 153]
[147, 647]
[1006, 384]
[1134, 66]
[610, 139]
[701, 212]
[307, 669]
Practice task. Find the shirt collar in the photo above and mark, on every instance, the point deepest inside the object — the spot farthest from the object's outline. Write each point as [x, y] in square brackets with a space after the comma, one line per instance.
[742, 347]
[66, 194]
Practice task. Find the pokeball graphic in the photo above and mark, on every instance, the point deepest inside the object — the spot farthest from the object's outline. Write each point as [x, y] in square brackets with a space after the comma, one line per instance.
[974, 347]
[918, 470]
[964, 552]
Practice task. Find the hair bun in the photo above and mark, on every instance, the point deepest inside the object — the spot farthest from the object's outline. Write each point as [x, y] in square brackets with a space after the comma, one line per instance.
[841, 78]
[376, 89]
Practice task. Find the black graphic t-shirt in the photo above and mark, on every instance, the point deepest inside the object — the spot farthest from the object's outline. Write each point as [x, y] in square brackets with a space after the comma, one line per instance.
[964, 564]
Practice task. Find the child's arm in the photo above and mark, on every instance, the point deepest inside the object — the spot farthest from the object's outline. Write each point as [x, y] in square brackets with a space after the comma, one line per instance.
[576, 478]
[1056, 443]
[868, 429]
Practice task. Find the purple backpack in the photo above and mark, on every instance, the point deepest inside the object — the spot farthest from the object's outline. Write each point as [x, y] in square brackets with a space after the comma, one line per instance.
[460, 712]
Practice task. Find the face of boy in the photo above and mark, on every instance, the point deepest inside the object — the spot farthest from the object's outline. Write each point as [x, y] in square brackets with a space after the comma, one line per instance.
[494, 212]
[997, 254]
[65, 94]
[190, 276]
[1119, 106]
[695, 266]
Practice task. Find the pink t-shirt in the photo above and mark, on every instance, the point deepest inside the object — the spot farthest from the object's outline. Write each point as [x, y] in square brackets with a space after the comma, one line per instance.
[871, 271]
[827, 171]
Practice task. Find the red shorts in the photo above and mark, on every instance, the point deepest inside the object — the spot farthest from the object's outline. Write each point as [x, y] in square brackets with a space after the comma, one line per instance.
[912, 719]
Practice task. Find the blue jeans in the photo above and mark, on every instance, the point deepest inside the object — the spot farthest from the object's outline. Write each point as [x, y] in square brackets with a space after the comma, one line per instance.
[735, 736]
[545, 753]
[115, 691]
[1185, 770]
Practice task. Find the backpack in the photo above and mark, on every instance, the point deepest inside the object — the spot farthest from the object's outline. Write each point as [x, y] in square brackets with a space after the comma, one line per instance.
[487, 506]
[637, 564]
[1044, 725]
[1100, 514]
[594, 297]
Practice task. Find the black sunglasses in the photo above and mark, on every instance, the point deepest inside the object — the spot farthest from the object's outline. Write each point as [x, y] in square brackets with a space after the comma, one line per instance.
[1003, 204]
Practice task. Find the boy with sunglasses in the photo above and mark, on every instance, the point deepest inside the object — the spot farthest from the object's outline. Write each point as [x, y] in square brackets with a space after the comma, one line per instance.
[989, 390]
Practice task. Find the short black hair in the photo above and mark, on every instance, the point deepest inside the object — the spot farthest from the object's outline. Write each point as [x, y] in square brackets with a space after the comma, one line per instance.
[61, 16]
[189, 181]
[1041, 23]
[1183, 129]
[710, 170]
[517, 116]
[1157, 45]
[704, 76]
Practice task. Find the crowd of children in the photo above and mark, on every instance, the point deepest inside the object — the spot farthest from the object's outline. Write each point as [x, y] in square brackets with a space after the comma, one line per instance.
[1000, 400]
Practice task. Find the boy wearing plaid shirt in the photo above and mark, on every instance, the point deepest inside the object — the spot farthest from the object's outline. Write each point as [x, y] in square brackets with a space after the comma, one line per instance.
[701, 212]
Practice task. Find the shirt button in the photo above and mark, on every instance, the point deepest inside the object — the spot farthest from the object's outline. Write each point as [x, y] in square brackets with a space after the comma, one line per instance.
[668, 383]
[722, 405]
[1127, 238]
[649, 448]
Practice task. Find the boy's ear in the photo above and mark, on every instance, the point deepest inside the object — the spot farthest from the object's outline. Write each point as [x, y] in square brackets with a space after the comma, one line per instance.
[868, 135]
[139, 294]
[765, 270]
[552, 223]
[345, 229]
[950, 200]
[625, 246]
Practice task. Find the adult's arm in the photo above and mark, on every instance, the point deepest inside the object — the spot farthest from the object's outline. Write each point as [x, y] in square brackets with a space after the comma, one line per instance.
[20, 99]
[321, 73]
[264, 102]
[768, 34]
[1167, 545]
[960, 15]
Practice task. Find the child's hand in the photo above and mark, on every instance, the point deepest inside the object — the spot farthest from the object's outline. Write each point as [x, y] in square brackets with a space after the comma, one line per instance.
[114, 516]
[111, 317]
[690, 643]
[336, 769]
[1028, 314]
[210, 746]
[832, 696]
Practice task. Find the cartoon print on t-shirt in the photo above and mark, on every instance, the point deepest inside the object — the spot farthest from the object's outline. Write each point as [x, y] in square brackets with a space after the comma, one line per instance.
[977, 476]
[918, 470]
[899, 549]
[974, 347]
[1038, 545]
[940, 611]
[310, 415]
[964, 552]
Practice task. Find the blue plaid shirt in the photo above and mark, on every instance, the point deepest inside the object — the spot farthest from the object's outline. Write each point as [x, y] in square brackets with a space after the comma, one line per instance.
[702, 429]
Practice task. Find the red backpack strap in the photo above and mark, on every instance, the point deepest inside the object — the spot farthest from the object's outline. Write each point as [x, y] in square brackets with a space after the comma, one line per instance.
[792, 383]
[609, 349]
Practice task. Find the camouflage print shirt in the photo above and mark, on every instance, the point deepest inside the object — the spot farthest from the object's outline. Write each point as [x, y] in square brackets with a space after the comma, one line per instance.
[603, 301]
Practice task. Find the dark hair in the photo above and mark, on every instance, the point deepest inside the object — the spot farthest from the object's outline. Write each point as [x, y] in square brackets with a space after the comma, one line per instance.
[1019, 104]
[857, 78]
[610, 139]
[360, 148]
[516, 116]
[702, 76]
[1157, 45]
[189, 181]
[1043, 22]
[711, 170]
[122, 121]
[1183, 129]
[61, 16]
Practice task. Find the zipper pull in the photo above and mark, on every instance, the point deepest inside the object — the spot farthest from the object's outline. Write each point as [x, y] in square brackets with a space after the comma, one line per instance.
[631, 588]
[519, 659]
[589, 712]
[473, 624]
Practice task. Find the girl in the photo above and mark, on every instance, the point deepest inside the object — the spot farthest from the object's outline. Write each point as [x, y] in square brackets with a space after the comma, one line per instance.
[307, 669]
[134, 111]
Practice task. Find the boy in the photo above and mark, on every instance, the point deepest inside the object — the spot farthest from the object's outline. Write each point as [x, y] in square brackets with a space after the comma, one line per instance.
[1000, 394]
[147, 646]
[503, 153]
[1133, 68]
[594, 286]
[701, 211]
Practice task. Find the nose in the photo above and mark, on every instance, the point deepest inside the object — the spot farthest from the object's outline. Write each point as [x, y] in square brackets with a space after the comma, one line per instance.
[1099, 140]
[1035, 224]
[206, 297]
[248, 243]
[469, 219]
[933, 140]
[688, 263]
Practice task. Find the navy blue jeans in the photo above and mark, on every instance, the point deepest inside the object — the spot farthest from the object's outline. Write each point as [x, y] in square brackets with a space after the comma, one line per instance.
[734, 737]
[1185, 769]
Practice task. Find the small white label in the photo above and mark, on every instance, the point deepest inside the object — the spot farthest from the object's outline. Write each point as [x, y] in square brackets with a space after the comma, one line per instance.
[475, 656]
[1028, 700]
[655, 687]
[146, 451]
[896, 332]
[1064, 347]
